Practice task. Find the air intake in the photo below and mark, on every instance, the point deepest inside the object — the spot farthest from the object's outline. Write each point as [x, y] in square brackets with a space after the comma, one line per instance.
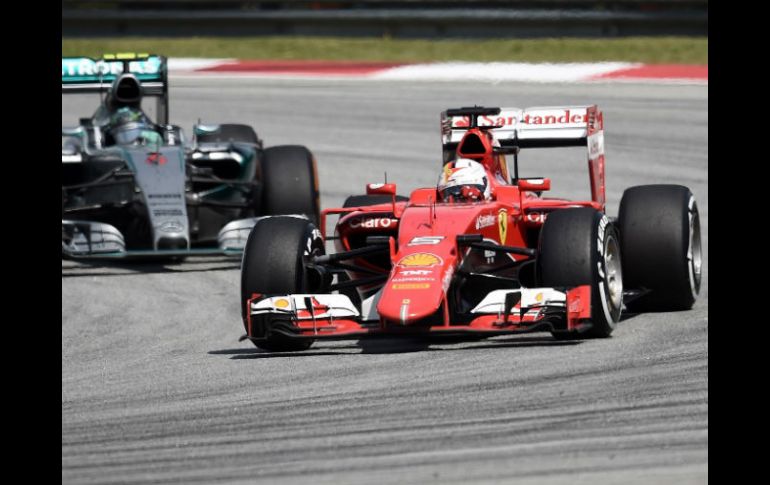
[471, 145]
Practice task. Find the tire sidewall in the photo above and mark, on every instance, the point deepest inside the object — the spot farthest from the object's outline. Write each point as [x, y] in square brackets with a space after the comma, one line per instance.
[313, 245]
[605, 314]
[694, 273]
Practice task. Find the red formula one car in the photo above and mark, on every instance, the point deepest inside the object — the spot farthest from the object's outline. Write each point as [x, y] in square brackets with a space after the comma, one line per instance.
[481, 254]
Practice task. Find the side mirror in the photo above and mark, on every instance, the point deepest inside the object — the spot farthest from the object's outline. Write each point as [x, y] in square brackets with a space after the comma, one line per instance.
[205, 129]
[381, 189]
[535, 184]
[72, 142]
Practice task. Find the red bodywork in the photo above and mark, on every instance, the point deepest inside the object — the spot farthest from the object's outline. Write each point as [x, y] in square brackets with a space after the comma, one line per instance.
[420, 294]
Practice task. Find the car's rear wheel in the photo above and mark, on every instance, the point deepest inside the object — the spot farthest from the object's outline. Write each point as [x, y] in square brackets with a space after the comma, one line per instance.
[290, 182]
[661, 244]
[581, 247]
[273, 264]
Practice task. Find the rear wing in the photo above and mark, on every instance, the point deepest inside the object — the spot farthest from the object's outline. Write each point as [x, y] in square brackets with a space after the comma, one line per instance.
[540, 127]
[552, 126]
[86, 75]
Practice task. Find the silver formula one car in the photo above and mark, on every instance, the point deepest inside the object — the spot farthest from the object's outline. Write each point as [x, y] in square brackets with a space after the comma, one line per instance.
[133, 187]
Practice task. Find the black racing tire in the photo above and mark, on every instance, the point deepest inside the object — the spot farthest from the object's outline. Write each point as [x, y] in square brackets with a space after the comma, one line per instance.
[273, 265]
[290, 182]
[231, 132]
[581, 247]
[661, 244]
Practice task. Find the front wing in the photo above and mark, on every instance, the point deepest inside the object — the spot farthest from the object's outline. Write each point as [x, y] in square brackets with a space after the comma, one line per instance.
[501, 312]
[89, 239]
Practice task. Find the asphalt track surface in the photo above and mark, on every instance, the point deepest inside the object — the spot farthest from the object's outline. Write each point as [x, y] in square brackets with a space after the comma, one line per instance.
[156, 388]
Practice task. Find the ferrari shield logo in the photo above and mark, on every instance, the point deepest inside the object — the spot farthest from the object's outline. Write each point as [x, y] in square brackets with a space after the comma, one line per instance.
[502, 224]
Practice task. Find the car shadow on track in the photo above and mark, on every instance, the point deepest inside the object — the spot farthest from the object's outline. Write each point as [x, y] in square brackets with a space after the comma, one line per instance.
[71, 269]
[522, 342]
[365, 347]
[254, 353]
[398, 346]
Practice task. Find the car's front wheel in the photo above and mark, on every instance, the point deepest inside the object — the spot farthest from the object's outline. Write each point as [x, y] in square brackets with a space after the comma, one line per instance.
[274, 264]
[581, 247]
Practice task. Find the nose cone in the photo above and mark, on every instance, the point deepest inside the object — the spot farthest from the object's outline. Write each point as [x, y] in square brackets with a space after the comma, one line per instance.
[416, 288]
[425, 263]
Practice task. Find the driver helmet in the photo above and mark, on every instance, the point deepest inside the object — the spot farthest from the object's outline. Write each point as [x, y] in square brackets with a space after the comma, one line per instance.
[130, 125]
[463, 180]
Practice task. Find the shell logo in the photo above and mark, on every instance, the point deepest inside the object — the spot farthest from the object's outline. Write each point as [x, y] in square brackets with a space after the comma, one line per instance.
[420, 259]
[282, 303]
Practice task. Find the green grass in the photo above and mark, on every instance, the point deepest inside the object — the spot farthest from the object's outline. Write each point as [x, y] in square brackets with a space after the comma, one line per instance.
[655, 50]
